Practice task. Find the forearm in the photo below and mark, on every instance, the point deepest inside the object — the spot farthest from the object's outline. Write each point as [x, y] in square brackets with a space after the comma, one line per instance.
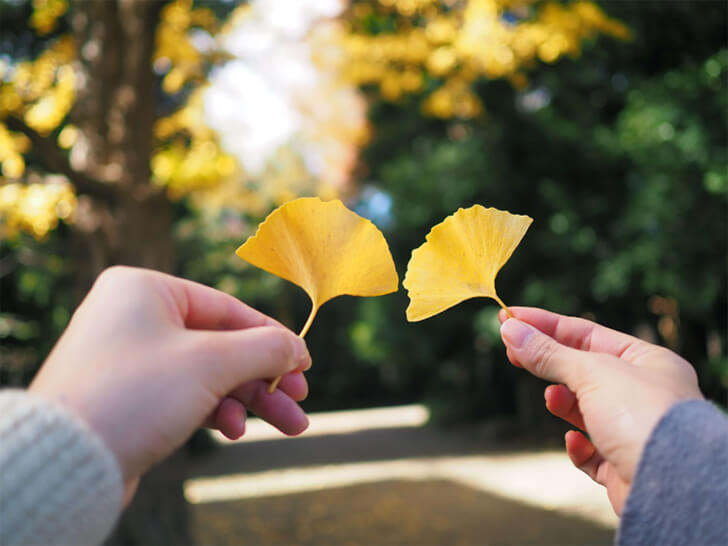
[59, 484]
[680, 491]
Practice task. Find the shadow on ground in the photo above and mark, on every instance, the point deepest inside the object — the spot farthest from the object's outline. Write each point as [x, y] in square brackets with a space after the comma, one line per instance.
[367, 445]
[429, 512]
[393, 512]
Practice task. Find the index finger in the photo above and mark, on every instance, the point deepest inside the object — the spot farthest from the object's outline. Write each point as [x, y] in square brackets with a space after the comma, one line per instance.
[203, 308]
[579, 333]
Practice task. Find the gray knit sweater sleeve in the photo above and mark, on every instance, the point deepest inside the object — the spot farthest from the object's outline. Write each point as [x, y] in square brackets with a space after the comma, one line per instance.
[59, 484]
[680, 491]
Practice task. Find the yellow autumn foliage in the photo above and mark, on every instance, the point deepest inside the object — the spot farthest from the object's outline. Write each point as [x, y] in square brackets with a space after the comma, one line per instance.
[460, 42]
[453, 43]
[46, 13]
[35, 208]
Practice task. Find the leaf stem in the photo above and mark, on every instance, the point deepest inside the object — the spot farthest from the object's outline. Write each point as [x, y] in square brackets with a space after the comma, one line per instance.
[504, 306]
[309, 321]
[273, 385]
[304, 331]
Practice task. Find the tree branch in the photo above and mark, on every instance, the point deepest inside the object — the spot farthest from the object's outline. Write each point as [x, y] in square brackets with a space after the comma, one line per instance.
[54, 160]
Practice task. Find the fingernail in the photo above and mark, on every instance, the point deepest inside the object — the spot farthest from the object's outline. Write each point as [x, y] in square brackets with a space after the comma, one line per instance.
[516, 333]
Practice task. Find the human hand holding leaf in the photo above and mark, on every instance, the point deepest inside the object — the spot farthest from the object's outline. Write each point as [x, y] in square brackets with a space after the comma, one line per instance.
[460, 259]
[324, 248]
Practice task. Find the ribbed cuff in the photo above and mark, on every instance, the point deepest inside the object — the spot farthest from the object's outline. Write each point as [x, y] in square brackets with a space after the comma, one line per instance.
[59, 483]
[679, 493]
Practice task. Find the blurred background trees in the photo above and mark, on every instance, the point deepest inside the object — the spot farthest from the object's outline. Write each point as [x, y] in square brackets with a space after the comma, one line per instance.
[160, 133]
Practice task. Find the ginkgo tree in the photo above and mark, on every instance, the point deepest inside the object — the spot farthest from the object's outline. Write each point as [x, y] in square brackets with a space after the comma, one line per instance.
[440, 50]
[86, 139]
[103, 126]
[82, 110]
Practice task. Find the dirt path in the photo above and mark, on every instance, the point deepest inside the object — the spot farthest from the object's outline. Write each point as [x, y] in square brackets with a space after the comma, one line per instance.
[394, 512]
[421, 511]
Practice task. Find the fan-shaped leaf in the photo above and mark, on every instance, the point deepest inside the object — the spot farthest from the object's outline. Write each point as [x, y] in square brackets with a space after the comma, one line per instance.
[460, 259]
[324, 248]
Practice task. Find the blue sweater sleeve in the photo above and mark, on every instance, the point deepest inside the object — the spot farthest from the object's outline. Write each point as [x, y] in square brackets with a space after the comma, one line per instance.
[680, 491]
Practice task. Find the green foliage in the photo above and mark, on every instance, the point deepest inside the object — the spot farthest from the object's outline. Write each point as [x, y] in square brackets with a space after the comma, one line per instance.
[35, 304]
[620, 157]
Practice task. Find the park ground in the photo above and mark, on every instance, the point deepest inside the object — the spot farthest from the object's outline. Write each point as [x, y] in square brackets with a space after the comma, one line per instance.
[383, 476]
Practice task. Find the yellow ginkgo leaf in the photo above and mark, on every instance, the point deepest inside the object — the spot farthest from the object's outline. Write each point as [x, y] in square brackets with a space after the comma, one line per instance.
[460, 259]
[324, 248]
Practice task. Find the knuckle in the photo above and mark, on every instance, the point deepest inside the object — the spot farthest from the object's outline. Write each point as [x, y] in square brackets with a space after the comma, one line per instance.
[691, 373]
[684, 367]
[544, 354]
[115, 275]
[114, 272]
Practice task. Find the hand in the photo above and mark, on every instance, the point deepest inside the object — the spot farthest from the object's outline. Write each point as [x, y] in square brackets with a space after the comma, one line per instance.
[612, 386]
[147, 358]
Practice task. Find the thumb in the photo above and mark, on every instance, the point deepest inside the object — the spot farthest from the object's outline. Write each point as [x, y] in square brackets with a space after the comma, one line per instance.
[543, 356]
[233, 357]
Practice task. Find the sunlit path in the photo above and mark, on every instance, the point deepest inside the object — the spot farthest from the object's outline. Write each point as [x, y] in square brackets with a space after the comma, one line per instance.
[546, 480]
[542, 479]
[389, 513]
[338, 422]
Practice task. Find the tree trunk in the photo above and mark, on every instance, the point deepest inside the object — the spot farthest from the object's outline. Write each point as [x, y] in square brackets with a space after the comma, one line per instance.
[136, 232]
[131, 221]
